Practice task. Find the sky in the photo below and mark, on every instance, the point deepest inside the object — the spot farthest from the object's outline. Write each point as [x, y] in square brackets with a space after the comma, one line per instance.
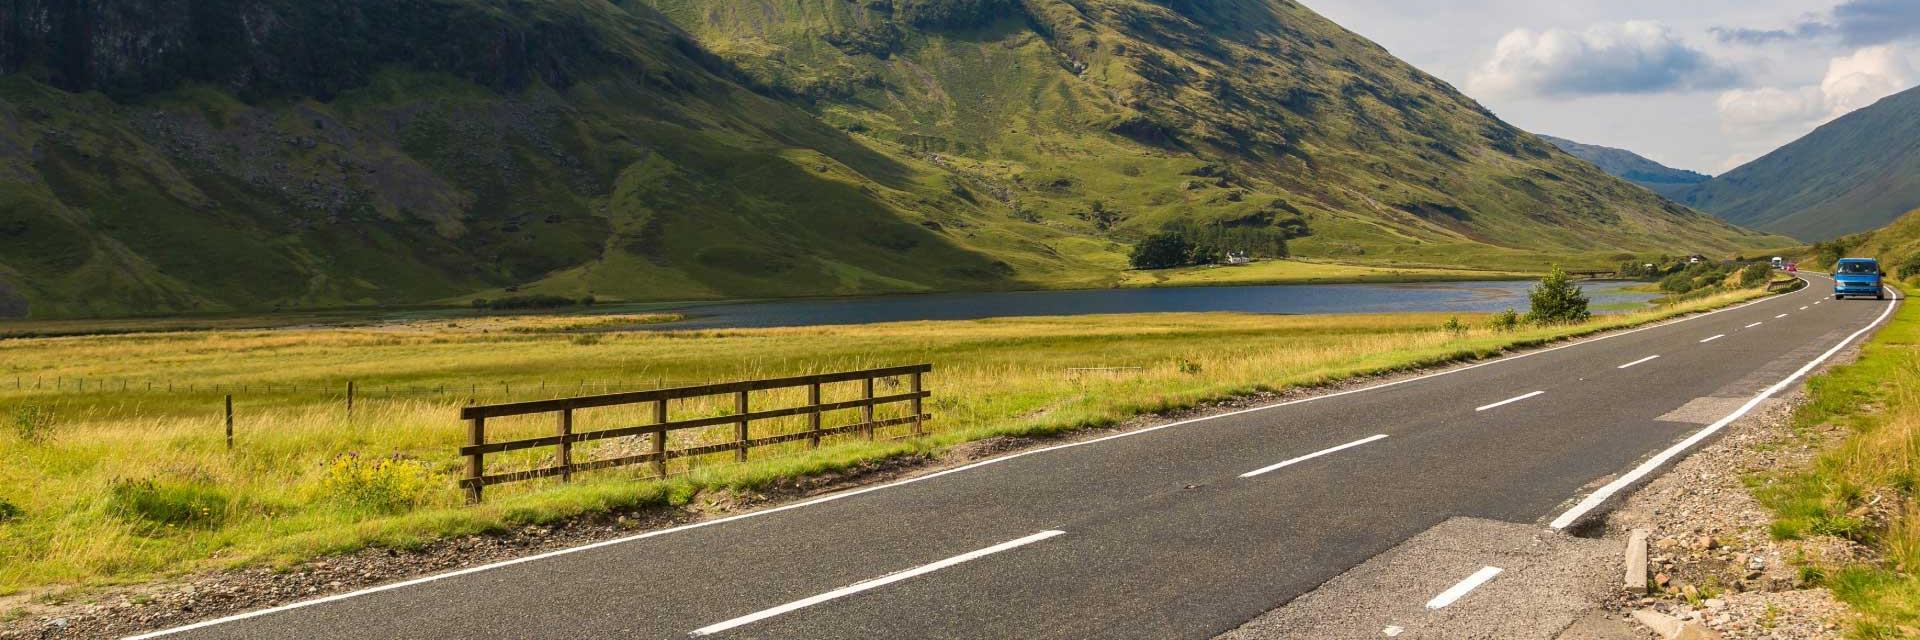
[1705, 85]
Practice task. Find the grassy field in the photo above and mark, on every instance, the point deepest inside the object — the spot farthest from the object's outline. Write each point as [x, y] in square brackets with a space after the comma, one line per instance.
[111, 486]
[1863, 490]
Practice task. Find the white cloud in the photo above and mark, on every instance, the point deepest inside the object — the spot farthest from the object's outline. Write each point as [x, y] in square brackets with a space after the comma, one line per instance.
[1775, 115]
[1851, 82]
[1624, 58]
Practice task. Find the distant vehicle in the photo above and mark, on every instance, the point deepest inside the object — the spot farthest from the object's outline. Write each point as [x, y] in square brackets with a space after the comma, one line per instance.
[1779, 262]
[1858, 277]
[1793, 267]
[1696, 259]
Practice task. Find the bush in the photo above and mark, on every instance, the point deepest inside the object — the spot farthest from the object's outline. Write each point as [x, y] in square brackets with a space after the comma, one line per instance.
[1161, 251]
[10, 512]
[1506, 320]
[1677, 283]
[1911, 267]
[1558, 299]
[167, 503]
[1755, 274]
[388, 484]
[33, 423]
[1454, 326]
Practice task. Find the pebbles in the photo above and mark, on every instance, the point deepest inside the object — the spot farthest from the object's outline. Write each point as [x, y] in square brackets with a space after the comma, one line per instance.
[1711, 556]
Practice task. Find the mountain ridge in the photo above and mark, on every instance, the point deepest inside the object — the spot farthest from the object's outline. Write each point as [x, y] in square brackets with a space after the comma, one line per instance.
[351, 152]
[1632, 167]
[1856, 173]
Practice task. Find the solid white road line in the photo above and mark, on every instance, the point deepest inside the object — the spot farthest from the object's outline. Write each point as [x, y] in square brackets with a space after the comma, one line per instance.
[1509, 401]
[1598, 497]
[1780, 316]
[913, 480]
[1463, 587]
[1713, 338]
[1756, 324]
[1640, 361]
[1313, 455]
[872, 584]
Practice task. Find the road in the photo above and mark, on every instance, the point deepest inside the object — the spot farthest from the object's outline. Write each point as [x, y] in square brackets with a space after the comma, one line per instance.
[1181, 531]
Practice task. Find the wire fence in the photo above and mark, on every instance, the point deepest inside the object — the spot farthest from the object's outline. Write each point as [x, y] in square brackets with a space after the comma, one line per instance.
[74, 386]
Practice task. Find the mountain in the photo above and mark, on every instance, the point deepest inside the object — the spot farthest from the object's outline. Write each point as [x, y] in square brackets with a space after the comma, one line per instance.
[205, 155]
[1632, 167]
[1853, 174]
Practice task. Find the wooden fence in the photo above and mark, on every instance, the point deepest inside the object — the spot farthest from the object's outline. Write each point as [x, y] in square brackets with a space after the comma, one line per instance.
[742, 419]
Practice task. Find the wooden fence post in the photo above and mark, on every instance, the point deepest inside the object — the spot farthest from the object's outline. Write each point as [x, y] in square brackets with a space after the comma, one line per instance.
[660, 438]
[813, 420]
[566, 445]
[476, 463]
[349, 398]
[740, 407]
[918, 428]
[229, 422]
[866, 412]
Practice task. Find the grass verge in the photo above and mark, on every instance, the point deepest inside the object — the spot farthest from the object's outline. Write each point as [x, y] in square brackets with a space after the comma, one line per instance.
[112, 486]
[1863, 489]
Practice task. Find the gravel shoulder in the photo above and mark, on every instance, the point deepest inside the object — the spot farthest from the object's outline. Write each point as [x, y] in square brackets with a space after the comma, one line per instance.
[1710, 554]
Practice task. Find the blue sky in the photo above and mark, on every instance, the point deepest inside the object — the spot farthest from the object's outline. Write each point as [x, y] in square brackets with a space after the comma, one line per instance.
[1698, 84]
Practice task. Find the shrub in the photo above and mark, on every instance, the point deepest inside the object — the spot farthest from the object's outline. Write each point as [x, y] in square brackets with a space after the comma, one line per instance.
[1558, 299]
[1454, 326]
[167, 503]
[387, 484]
[1677, 283]
[1910, 267]
[1755, 274]
[33, 423]
[10, 512]
[1506, 320]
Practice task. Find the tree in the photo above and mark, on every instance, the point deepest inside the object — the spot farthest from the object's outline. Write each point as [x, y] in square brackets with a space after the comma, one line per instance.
[1558, 299]
[1162, 250]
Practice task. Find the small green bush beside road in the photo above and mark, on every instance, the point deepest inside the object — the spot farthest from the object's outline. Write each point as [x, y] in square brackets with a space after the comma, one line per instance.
[1557, 300]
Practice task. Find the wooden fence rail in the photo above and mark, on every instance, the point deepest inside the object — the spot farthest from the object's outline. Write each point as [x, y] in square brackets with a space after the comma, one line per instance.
[742, 420]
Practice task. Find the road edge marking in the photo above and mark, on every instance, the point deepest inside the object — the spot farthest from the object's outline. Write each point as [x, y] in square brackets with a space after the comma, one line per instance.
[1310, 456]
[1600, 496]
[1462, 588]
[246, 615]
[875, 583]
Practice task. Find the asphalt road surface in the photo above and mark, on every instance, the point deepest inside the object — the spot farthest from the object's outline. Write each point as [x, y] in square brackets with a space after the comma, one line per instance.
[1182, 531]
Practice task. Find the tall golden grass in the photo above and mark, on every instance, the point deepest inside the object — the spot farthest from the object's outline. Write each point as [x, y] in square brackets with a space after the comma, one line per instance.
[137, 484]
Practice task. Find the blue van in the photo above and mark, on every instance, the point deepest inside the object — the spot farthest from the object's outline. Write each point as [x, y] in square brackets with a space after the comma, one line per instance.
[1858, 277]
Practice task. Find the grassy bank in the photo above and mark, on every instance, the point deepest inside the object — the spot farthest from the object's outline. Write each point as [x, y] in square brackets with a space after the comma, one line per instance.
[116, 483]
[1305, 272]
[1863, 489]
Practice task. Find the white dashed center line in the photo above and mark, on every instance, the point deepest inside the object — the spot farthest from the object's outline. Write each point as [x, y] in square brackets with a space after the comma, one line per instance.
[1803, 308]
[872, 584]
[1713, 338]
[1313, 455]
[1640, 361]
[1780, 316]
[1756, 324]
[1509, 401]
[1466, 586]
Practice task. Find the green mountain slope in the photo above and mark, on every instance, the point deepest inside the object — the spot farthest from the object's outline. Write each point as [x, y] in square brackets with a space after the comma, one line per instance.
[1632, 167]
[251, 154]
[1853, 174]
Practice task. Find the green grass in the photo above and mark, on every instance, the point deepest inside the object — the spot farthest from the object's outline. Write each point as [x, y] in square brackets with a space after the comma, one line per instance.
[136, 485]
[1863, 489]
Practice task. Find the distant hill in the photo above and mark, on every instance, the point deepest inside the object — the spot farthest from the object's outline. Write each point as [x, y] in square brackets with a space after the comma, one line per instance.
[1897, 245]
[1853, 174]
[1632, 167]
[186, 155]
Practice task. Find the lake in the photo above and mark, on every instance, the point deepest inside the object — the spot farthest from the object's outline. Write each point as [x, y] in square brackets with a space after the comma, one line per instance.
[1465, 297]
